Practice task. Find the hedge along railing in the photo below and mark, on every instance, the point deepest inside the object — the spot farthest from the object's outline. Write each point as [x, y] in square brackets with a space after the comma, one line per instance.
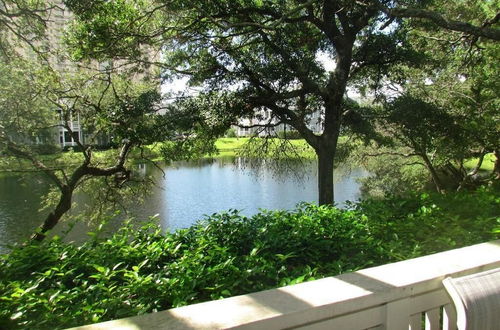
[403, 295]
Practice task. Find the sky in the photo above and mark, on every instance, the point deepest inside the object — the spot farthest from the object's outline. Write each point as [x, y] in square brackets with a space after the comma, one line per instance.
[180, 85]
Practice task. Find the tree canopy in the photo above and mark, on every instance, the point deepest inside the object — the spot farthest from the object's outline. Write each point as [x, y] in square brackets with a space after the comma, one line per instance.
[23, 23]
[43, 93]
[268, 53]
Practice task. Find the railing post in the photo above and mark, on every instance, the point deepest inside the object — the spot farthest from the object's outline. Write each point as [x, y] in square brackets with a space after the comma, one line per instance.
[449, 317]
[432, 319]
[397, 315]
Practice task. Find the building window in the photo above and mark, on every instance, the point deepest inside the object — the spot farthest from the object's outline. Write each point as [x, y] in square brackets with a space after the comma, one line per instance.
[76, 136]
[67, 136]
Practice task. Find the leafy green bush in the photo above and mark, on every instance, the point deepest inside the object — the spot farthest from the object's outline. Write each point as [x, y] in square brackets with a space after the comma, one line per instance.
[230, 133]
[56, 284]
[417, 225]
[46, 149]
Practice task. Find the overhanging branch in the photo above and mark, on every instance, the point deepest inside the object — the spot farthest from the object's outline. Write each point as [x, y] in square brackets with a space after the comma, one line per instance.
[484, 31]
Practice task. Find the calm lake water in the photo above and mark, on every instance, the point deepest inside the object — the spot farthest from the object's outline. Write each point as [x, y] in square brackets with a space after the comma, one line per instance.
[184, 193]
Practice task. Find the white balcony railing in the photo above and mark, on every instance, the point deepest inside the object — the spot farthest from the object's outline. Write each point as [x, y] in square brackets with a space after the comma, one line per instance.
[75, 125]
[402, 295]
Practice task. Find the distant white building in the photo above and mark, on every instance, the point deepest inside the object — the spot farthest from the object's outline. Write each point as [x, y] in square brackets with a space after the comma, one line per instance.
[264, 124]
[57, 19]
[70, 133]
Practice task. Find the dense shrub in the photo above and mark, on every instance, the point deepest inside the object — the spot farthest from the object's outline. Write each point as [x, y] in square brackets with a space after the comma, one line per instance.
[57, 285]
[46, 149]
[428, 223]
[230, 133]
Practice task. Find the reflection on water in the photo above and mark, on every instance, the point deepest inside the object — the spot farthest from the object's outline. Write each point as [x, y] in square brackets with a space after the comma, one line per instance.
[185, 192]
[20, 200]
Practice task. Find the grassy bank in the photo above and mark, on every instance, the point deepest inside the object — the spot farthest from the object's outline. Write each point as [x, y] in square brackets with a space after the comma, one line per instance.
[487, 165]
[236, 146]
[230, 146]
[58, 285]
[226, 147]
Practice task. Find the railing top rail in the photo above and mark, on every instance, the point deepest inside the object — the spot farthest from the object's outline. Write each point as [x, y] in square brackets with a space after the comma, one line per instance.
[329, 297]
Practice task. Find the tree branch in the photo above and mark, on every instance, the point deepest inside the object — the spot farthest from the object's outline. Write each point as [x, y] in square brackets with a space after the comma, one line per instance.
[480, 31]
[18, 152]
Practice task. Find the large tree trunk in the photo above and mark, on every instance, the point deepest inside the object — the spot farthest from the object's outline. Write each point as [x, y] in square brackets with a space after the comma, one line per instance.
[53, 218]
[326, 148]
[325, 176]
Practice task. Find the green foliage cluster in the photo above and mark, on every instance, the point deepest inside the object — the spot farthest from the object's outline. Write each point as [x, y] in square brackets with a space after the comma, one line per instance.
[22, 23]
[428, 223]
[230, 133]
[108, 16]
[46, 149]
[55, 284]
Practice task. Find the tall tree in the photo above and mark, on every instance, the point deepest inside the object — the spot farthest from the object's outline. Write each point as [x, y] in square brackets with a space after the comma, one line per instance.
[466, 69]
[425, 129]
[49, 100]
[268, 52]
[127, 112]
